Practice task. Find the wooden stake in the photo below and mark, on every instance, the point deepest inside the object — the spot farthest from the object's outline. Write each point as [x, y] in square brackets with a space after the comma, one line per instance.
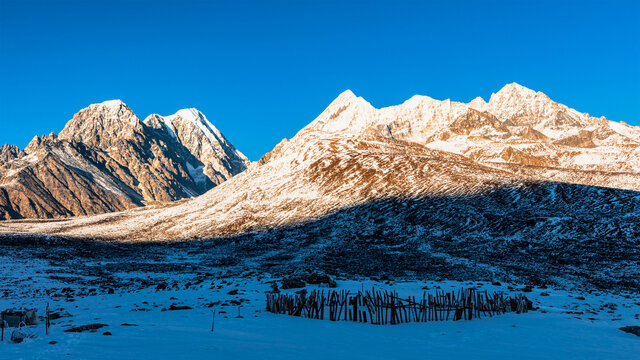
[213, 320]
[47, 323]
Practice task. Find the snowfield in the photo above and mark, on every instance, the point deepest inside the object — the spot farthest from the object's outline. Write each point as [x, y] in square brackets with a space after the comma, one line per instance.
[564, 326]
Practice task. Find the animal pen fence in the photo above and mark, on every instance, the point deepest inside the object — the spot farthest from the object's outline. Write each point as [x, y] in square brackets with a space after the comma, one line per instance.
[386, 307]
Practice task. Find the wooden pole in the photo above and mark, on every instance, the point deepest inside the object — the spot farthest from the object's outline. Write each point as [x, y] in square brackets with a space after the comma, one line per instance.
[46, 325]
[213, 319]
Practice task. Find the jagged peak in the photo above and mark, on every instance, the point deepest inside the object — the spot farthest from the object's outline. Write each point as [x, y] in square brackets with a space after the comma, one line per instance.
[515, 86]
[196, 118]
[193, 116]
[478, 104]
[514, 91]
[418, 99]
[347, 98]
[109, 104]
[190, 114]
[346, 95]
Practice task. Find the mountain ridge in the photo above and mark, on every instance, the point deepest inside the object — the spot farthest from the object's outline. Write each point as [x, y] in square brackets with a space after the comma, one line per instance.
[355, 154]
[106, 146]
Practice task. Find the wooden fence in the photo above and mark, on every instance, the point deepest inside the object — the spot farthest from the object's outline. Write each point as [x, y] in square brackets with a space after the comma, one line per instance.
[386, 307]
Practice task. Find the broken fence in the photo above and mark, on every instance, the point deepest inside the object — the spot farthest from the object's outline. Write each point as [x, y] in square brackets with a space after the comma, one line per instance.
[382, 307]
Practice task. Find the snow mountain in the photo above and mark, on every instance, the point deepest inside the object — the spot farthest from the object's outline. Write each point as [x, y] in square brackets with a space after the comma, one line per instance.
[507, 187]
[354, 153]
[516, 126]
[106, 159]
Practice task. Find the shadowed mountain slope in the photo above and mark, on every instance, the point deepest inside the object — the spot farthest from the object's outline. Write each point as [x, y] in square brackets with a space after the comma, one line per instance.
[536, 233]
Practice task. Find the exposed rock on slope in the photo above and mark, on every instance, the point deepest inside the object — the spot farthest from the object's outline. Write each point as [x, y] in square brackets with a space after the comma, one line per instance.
[9, 152]
[106, 159]
[219, 159]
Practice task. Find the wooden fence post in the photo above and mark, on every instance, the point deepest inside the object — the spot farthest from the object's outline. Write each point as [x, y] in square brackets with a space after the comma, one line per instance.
[47, 322]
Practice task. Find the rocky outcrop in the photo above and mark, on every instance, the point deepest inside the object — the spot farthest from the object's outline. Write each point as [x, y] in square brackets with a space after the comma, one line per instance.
[106, 159]
[60, 180]
[10, 152]
[217, 159]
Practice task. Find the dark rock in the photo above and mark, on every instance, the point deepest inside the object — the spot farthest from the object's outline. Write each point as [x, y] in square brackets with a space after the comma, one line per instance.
[635, 330]
[88, 327]
[293, 283]
[274, 288]
[212, 304]
[317, 279]
[161, 286]
[107, 333]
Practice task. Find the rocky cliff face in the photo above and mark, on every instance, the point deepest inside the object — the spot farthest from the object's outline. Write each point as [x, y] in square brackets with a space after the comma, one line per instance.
[10, 152]
[106, 159]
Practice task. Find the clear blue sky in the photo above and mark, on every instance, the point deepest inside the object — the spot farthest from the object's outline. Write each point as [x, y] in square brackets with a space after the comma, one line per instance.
[260, 71]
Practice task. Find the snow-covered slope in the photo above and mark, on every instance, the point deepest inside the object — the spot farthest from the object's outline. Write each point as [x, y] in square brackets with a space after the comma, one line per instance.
[106, 159]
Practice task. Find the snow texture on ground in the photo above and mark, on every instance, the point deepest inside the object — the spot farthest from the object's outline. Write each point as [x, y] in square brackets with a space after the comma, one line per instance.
[564, 326]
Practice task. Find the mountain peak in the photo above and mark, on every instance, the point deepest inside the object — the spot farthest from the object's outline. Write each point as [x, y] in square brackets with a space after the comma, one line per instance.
[345, 98]
[109, 104]
[103, 123]
[190, 114]
[514, 92]
[347, 94]
[346, 112]
[478, 104]
[515, 88]
[192, 128]
[515, 85]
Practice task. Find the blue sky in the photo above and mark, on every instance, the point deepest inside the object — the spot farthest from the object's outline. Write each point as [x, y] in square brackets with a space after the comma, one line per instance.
[260, 71]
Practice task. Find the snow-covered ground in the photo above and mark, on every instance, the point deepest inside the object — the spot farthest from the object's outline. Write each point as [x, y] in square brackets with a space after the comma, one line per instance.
[564, 327]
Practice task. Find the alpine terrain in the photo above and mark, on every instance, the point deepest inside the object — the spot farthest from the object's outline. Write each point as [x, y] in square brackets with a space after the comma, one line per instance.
[517, 195]
[106, 159]
[517, 186]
